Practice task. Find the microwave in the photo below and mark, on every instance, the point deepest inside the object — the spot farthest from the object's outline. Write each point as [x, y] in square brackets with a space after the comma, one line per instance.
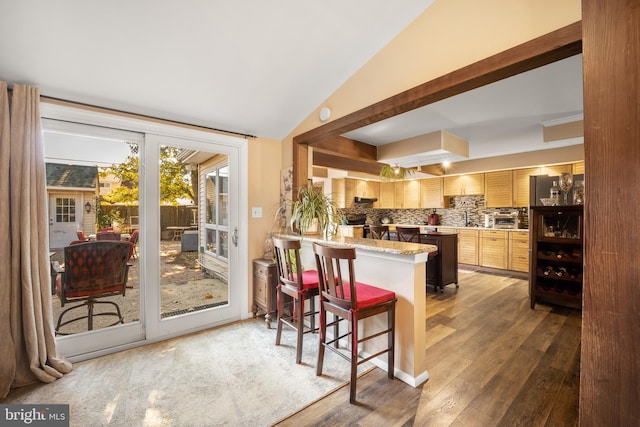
[506, 220]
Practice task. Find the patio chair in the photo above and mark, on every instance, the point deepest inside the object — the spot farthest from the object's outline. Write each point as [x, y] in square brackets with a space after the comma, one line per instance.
[92, 270]
[134, 244]
[108, 235]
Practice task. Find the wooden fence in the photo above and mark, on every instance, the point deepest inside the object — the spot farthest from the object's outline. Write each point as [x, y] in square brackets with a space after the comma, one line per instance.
[170, 216]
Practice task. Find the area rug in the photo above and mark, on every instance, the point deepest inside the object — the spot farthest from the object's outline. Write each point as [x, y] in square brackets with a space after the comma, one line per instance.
[233, 375]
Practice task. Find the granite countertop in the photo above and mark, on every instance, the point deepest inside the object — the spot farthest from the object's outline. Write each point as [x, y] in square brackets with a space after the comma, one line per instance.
[460, 226]
[386, 246]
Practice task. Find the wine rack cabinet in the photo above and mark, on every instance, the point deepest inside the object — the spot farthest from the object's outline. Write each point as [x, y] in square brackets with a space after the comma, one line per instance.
[556, 259]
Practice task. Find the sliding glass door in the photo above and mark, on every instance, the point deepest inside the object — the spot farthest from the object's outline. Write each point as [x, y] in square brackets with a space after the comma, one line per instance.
[177, 193]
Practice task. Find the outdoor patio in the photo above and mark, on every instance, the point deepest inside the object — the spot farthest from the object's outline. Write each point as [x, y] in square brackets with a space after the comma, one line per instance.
[184, 287]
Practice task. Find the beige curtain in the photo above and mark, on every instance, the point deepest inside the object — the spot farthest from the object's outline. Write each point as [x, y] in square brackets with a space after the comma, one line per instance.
[28, 352]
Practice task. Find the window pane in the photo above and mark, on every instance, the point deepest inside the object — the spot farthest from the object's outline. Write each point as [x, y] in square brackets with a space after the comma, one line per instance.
[186, 284]
[74, 165]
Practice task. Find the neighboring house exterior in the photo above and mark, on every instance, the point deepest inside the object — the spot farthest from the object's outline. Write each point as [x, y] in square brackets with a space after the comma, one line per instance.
[108, 183]
[211, 218]
[69, 189]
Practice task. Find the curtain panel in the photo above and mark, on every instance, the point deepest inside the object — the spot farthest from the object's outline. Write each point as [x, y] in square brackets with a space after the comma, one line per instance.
[28, 352]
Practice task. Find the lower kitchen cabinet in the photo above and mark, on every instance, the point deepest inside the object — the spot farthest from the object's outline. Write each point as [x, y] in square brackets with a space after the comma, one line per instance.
[442, 269]
[494, 247]
[265, 280]
[467, 246]
[519, 251]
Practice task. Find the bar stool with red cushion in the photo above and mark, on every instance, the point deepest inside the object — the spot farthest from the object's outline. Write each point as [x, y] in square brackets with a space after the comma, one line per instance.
[347, 299]
[301, 285]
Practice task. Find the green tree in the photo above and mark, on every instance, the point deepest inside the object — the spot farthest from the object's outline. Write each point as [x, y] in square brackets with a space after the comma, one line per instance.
[175, 179]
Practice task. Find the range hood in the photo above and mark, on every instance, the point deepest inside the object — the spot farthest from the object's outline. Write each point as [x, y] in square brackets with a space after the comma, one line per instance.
[364, 200]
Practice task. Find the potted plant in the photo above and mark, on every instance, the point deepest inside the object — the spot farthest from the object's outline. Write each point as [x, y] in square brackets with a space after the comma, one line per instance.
[313, 211]
[395, 172]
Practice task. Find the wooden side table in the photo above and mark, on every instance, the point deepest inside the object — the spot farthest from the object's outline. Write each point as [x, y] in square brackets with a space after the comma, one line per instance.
[265, 280]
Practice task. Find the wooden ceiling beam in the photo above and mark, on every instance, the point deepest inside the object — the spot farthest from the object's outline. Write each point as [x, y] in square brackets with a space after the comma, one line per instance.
[333, 160]
[348, 147]
[560, 44]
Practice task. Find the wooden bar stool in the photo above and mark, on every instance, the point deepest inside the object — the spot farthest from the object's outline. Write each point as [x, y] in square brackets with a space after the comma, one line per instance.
[379, 232]
[299, 285]
[349, 300]
[408, 234]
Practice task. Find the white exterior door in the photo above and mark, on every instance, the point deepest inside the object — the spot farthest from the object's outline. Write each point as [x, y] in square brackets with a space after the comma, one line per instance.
[90, 137]
[65, 217]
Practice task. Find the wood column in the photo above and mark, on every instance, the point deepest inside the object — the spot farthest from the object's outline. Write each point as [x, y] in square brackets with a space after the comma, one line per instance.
[610, 360]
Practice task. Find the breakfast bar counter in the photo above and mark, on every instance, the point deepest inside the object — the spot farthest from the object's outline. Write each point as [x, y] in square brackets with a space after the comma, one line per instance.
[399, 267]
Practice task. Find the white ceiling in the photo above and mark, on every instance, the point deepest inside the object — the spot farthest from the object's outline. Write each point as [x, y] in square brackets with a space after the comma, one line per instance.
[498, 119]
[250, 66]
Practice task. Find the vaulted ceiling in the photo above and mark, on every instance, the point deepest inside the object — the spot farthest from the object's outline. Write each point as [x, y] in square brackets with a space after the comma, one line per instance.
[252, 66]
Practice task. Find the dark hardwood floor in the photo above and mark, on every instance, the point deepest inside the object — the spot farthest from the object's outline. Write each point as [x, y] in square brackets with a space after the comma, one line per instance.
[492, 361]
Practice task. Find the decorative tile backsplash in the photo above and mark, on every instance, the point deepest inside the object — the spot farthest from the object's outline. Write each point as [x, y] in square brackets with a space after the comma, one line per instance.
[460, 208]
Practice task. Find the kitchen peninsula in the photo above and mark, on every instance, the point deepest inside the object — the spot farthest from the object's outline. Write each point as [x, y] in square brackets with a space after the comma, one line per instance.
[398, 267]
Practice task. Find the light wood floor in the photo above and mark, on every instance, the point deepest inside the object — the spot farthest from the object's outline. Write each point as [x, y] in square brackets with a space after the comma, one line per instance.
[492, 361]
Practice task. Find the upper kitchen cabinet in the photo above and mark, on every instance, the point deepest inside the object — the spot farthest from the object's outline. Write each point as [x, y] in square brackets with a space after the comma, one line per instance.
[398, 194]
[578, 168]
[498, 189]
[346, 189]
[431, 193]
[463, 185]
[555, 170]
[521, 186]
[386, 199]
[337, 192]
[411, 194]
[368, 190]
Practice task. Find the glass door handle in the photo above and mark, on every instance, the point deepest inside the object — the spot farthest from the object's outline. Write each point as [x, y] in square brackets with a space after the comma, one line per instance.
[234, 237]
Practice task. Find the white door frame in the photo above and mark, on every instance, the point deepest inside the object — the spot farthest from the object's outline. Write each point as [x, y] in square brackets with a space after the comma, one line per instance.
[152, 329]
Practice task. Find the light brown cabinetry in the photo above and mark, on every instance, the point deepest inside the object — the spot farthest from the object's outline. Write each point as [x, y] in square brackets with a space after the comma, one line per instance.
[431, 193]
[337, 192]
[578, 168]
[498, 191]
[345, 189]
[386, 199]
[467, 246]
[519, 251]
[365, 188]
[556, 170]
[265, 280]
[521, 186]
[351, 231]
[398, 194]
[494, 247]
[461, 185]
[411, 194]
